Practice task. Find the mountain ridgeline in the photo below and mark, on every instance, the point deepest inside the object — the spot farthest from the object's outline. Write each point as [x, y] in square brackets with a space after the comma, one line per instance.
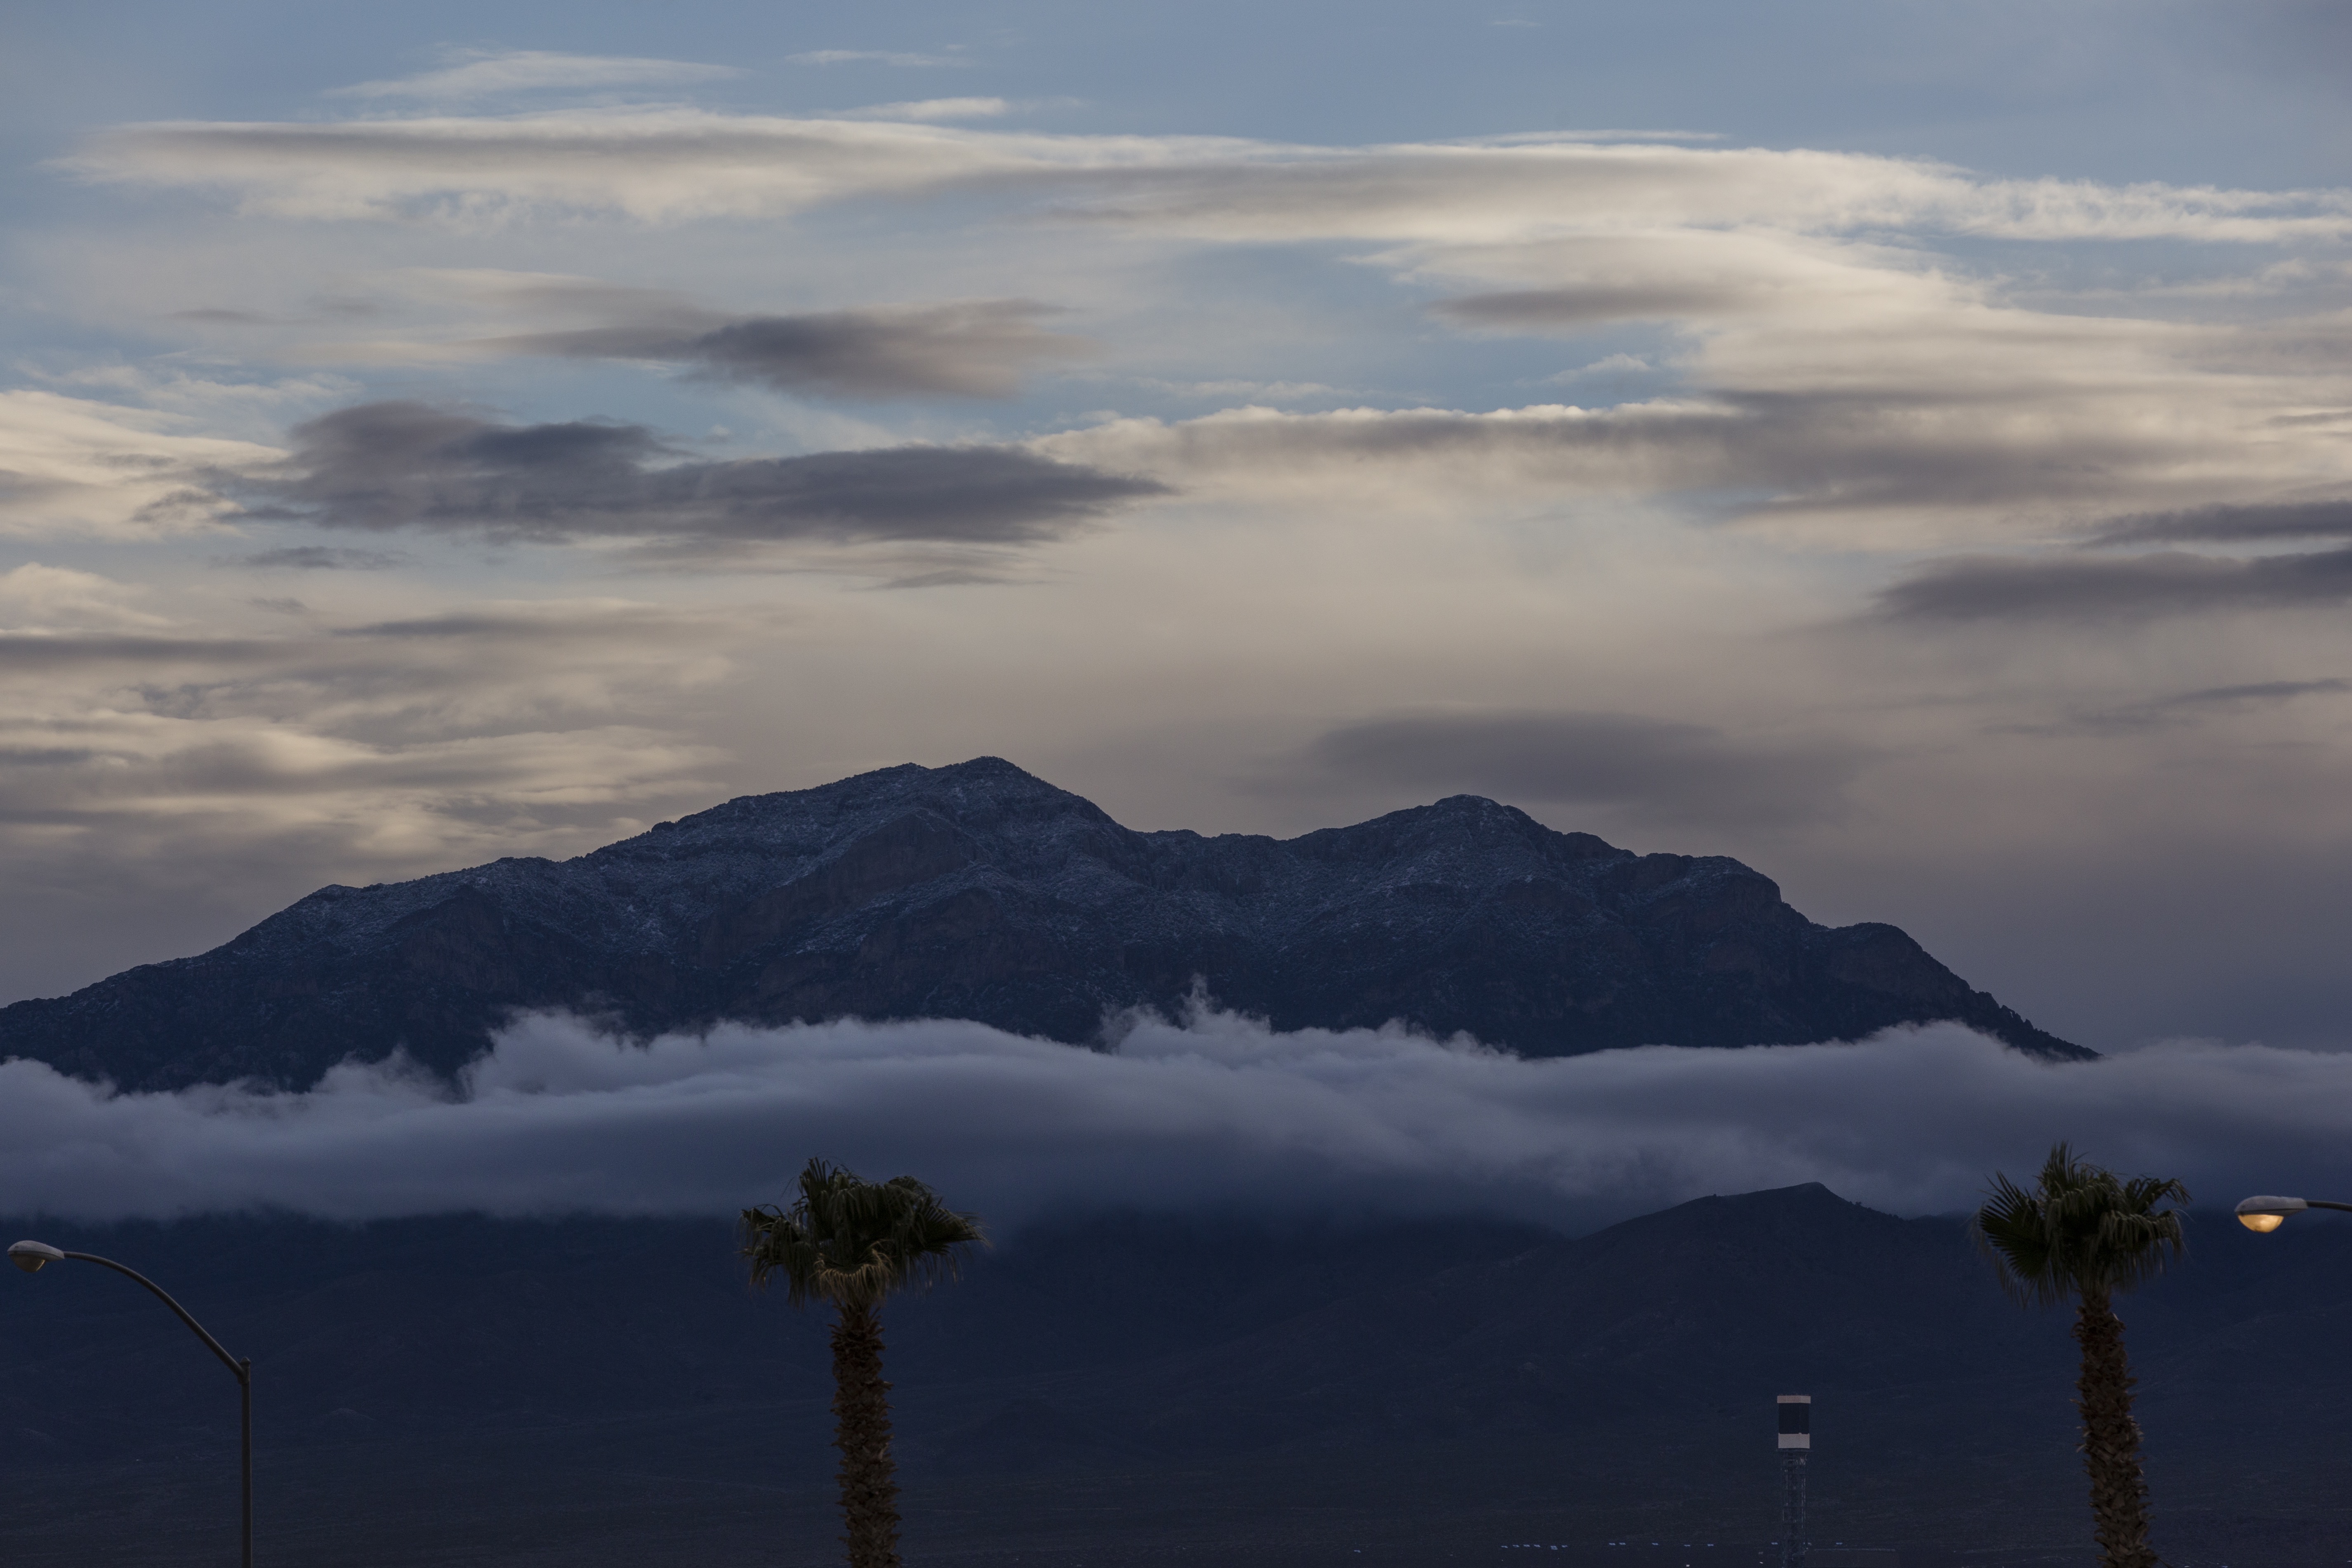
[978, 892]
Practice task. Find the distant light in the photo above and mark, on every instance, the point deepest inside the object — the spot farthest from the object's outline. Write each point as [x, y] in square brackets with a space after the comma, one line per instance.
[2266, 1214]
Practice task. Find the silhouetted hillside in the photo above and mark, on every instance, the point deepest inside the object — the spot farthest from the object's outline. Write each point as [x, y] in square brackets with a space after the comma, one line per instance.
[977, 892]
[595, 1392]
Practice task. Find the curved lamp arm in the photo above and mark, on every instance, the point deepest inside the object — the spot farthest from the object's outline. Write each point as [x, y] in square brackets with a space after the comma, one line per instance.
[32, 1255]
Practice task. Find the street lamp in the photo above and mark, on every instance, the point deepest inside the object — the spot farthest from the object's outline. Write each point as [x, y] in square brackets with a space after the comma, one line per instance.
[32, 1256]
[2267, 1213]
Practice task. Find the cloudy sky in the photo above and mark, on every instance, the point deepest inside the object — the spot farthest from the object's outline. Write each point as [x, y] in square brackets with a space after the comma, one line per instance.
[1906, 447]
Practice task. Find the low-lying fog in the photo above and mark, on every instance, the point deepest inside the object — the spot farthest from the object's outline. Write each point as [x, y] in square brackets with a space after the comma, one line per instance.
[1211, 1110]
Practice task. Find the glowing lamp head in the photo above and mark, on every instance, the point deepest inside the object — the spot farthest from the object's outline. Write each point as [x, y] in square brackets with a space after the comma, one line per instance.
[2267, 1213]
[31, 1256]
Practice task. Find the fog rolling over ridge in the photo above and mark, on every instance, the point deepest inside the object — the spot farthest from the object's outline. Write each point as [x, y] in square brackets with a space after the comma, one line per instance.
[1214, 1112]
[980, 892]
[967, 973]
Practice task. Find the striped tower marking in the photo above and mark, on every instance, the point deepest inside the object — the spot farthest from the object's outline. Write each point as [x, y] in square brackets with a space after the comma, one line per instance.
[1796, 1441]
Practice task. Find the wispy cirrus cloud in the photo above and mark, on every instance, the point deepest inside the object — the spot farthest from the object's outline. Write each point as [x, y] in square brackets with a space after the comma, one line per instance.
[676, 165]
[1848, 465]
[228, 755]
[1841, 386]
[111, 712]
[656, 165]
[79, 467]
[314, 558]
[486, 73]
[874, 57]
[935, 109]
[34, 597]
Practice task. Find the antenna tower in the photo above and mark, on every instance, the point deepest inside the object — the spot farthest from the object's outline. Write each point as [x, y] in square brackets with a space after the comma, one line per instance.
[1796, 1443]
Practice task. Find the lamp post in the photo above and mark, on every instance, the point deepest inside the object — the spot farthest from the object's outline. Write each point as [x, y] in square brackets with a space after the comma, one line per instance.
[32, 1255]
[2267, 1213]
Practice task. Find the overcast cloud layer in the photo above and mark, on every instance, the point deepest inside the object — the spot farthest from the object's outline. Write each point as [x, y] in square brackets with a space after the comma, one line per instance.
[1218, 1111]
[1909, 455]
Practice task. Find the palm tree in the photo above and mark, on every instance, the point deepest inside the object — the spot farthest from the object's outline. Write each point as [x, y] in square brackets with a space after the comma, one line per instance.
[2085, 1232]
[854, 1243]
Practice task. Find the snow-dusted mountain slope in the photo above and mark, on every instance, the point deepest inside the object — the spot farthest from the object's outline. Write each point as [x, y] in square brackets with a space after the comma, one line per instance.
[979, 891]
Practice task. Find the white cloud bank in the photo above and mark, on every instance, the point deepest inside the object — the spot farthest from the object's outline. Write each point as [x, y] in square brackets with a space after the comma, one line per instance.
[1215, 1110]
[673, 164]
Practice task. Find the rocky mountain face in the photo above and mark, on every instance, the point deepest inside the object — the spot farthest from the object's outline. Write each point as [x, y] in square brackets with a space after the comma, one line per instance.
[978, 892]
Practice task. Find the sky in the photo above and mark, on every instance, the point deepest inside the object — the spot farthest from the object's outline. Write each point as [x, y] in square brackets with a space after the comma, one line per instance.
[1907, 448]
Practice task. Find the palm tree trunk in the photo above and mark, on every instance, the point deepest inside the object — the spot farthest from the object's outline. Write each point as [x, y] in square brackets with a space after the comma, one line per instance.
[2111, 1439]
[861, 1409]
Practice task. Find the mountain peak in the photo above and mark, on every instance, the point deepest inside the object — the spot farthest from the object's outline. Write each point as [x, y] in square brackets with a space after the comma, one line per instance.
[982, 783]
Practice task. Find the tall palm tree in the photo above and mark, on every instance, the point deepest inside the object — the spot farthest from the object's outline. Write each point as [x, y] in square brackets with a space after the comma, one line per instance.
[2083, 1233]
[853, 1243]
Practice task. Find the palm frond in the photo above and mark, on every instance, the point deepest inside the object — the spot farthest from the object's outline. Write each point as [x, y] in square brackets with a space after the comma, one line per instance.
[2010, 1231]
[2079, 1231]
[854, 1242]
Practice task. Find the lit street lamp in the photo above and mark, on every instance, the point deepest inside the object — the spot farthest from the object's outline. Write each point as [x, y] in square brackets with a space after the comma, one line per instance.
[32, 1256]
[2267, 1213]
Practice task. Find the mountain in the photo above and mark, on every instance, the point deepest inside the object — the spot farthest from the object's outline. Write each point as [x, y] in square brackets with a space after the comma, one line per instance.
[978, 892]
[1182, 1390]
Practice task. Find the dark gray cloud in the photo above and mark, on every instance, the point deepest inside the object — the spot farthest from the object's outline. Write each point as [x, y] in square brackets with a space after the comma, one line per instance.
[387, 465]
[1586, 303]
[2293, 519]
[18, 489]
[1208, 1112]
[540, 627]
[2081, 588]
[1657, 768]
[2255, 693]
[28, 651]
[977, 348]
[316, 558]
[2162, 583]
[311, 658]
[2182, 708]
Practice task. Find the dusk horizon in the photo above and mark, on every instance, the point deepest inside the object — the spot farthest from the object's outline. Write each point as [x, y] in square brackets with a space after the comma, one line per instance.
[1381, 767]
[1907, 458]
